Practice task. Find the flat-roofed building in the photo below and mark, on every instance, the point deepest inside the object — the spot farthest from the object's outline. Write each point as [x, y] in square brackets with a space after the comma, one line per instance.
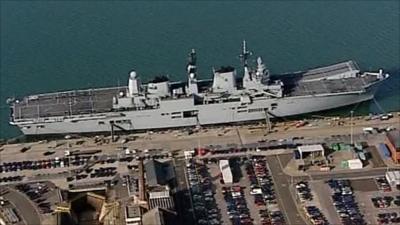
[393, 142]
[159, 177]
[159, 173]
[393, 177]
[159, 216]
[133, 215]
[161, 197]
[313, 150]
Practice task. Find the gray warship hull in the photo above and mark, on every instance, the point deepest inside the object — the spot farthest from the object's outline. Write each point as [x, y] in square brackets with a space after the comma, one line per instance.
[225, 99]
[170, 114]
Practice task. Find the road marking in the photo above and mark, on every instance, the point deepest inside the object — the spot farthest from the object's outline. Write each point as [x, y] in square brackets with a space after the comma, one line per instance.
[280, 163]
[278, 197]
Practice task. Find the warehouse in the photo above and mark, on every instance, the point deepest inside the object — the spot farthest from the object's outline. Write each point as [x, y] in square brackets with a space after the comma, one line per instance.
[313, 150]
[159, 173]
[393, 142]
[393, 177]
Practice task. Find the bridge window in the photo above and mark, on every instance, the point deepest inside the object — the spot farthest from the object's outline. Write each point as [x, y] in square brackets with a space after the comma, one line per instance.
[187, 114]
[256, 110]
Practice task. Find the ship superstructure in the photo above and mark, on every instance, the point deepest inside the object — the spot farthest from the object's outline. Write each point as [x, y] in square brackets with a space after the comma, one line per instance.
[227, 98]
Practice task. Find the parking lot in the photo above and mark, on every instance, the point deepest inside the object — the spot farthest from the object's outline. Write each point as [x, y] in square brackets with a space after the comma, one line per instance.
[250, 199]
[182, 193]
[25, 209]
[262, 193]
[202, 193]
[310, 202]
[382, 205]
[358, 201]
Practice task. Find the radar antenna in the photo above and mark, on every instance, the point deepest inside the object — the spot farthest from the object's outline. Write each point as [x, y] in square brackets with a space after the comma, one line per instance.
[191, 67]
[192, 57]
[245, 53]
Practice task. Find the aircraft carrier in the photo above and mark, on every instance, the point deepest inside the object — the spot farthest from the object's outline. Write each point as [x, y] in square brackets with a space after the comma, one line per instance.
[227, 98]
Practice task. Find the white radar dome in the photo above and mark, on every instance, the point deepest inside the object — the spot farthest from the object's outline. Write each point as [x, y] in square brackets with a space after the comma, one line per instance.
[133, 74]
[192, 76]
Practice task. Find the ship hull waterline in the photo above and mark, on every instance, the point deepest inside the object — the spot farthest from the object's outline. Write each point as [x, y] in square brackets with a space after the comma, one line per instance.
[211, 114]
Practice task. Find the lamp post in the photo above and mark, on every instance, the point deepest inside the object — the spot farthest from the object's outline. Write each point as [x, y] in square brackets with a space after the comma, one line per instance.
[351, 127]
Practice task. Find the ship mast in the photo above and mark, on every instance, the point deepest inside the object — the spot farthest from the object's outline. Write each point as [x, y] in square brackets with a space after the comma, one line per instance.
[245, 54]
[192, 76]
[191, 67]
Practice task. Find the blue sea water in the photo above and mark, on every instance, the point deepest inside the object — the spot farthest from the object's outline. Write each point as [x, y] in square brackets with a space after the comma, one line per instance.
[62, 45]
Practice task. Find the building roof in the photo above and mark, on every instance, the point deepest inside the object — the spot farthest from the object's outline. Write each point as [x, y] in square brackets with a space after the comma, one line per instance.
[393, 176]
[394, 138]
[159, 216]
[354, 163]
[158, 173]
[310, 148]
[132, 211]
[159, 194]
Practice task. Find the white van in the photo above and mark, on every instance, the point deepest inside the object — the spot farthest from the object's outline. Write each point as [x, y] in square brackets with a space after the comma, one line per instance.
[256, 191]
[368, 130]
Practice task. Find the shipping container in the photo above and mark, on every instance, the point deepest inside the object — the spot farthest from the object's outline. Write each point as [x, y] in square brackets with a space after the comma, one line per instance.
[383, 149]
[354, 164]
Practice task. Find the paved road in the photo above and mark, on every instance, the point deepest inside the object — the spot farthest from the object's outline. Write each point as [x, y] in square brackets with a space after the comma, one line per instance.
[178, 140]
[283, 194]
[350, 174]
[25, 207]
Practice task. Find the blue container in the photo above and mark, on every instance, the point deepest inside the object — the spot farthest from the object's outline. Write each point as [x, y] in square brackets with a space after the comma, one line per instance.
[383, 149]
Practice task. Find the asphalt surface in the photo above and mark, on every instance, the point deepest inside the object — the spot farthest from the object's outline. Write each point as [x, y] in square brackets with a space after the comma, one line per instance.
[285, 200]
[283, 183]
[26, 209]
[239, 136]
[376, 157]
[350, 174]
[182, 198]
